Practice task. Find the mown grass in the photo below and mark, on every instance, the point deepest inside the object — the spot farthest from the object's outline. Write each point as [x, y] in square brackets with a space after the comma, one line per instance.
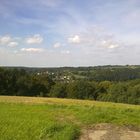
[23, 118]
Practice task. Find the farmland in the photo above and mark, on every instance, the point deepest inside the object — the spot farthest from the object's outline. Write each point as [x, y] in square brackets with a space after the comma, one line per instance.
[34, 118]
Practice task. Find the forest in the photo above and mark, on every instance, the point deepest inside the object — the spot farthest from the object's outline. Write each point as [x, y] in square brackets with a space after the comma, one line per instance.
[107, 83]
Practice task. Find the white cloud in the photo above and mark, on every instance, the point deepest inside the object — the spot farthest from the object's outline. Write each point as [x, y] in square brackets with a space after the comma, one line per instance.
[95, 38]
[12, 44]
[57, 45]
[8, 41]
[75, 39]
[65, 52]
[32, 49]
[113, 46]
[109, 44]
[36, 39]
[4, 40]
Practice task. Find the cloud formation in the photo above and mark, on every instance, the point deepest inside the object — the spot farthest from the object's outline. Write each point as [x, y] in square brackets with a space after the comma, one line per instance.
[59, 25]
[8, 41]
[57, 45]
[95, 37]
[35, 39]
[111, 44]
[4, 40]
[65, 52]
[13, 44]
[34, 50]
[75, 39]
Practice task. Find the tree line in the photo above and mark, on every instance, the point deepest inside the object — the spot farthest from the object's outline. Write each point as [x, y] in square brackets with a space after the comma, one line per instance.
[19, 82]
[110, 74]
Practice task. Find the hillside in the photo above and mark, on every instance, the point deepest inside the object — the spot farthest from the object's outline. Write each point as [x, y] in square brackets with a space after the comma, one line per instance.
[120, 84]
[96, 73]
[34, 118]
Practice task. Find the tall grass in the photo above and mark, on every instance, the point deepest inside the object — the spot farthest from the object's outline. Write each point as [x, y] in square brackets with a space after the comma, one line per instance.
[54, 119]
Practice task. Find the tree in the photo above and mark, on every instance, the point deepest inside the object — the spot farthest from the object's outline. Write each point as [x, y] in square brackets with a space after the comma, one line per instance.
[134, 94]
[58, 90]
[80, 90]
[117, 93]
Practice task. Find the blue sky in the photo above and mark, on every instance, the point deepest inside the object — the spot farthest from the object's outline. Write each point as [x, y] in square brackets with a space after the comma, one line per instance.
[51, 33]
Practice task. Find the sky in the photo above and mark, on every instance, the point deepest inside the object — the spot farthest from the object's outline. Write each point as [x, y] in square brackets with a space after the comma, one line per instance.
[56, 33]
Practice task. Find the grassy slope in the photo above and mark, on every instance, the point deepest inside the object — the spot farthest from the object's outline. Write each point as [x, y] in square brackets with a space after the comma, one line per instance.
[30, 118]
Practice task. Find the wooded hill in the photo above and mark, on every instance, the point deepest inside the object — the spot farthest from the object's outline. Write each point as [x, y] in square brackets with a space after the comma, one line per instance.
[103, 83]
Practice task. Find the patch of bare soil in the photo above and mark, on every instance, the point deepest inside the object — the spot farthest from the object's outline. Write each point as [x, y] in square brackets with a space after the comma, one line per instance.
[110, 132]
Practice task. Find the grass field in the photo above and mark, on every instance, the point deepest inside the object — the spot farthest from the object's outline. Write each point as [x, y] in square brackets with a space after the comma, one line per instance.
[33, 118]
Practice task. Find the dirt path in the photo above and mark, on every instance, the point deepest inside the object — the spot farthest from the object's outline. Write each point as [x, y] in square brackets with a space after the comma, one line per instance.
[110, 132]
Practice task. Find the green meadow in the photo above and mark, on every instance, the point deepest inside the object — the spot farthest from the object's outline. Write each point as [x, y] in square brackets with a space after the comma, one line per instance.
[34, 118]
